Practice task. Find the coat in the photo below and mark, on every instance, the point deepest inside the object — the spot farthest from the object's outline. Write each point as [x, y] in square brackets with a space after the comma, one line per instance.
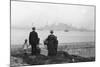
[52, 44]
[33, 38]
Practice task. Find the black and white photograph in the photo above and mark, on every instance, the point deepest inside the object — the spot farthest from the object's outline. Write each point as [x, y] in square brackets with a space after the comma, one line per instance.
[43, 33]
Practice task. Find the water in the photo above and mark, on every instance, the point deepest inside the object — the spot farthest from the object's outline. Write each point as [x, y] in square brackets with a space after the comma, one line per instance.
[18, 36]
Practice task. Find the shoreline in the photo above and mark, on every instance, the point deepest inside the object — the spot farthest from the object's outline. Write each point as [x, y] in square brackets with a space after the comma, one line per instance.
[67, 53]
[76, 48]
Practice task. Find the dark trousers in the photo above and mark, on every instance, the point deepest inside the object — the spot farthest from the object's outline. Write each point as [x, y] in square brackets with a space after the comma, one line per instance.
[33, 49]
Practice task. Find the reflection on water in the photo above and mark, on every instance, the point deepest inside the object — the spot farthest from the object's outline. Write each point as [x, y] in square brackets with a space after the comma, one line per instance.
[18, 36]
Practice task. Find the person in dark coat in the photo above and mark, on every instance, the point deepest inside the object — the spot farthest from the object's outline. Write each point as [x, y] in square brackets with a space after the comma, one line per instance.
[33, 41]
[52, 44]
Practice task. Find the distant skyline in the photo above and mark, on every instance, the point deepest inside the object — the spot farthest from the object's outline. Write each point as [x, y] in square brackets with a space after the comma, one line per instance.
[26, 14]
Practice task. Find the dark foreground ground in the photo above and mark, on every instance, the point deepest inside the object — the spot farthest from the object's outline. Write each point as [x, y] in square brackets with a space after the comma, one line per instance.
[66, 54]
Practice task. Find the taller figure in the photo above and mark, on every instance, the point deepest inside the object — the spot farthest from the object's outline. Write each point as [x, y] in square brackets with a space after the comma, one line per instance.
[52, 44]
[33, 41]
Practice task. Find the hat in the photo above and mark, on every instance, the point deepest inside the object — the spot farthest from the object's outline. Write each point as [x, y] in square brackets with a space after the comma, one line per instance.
[51, 31]
[33, 28]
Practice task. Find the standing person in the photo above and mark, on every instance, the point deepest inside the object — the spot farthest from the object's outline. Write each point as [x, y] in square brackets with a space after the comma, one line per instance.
[33, 41]
[52, 44]
[25, 46]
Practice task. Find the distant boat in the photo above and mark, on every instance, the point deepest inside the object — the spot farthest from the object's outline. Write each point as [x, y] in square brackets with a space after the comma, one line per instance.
[66, 30]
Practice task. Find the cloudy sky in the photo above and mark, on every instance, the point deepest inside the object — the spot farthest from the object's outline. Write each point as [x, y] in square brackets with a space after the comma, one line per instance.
[27, 14]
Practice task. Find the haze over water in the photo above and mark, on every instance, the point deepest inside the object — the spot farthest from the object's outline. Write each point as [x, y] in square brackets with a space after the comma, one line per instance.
[18, 36]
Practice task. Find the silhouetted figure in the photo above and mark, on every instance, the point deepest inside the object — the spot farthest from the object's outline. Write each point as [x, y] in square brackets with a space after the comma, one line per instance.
[52, 44]
[33, 41]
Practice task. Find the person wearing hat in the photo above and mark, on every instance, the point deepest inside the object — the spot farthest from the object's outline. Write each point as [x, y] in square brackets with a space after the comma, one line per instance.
[33, 41]
[52, 44]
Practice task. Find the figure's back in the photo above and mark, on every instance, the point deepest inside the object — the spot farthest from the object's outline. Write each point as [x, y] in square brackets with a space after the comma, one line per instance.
[52, 45]
[33, 36]
[52, 39]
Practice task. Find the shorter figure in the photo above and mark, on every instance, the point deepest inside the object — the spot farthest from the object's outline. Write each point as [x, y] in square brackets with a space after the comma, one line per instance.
[25, 46]
[52, 44]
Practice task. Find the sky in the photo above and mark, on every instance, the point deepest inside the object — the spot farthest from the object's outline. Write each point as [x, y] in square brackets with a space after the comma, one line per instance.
[27, 14]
